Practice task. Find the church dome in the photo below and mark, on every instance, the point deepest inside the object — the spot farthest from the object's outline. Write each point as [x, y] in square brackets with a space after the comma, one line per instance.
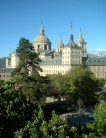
[42, 39]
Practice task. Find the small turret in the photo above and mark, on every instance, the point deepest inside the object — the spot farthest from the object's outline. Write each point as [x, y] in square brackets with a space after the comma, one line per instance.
[60, 46]
[82, 44]
[80, 40]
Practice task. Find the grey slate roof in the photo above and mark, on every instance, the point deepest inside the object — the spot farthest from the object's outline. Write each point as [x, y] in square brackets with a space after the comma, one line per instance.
[53, 61]
[101, 61]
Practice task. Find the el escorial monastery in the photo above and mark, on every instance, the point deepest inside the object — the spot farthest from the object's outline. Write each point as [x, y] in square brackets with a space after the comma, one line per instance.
[60, 60]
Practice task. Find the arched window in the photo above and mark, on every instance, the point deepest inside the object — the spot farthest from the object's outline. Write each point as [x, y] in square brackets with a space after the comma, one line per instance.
[45, 47]
[38, 46]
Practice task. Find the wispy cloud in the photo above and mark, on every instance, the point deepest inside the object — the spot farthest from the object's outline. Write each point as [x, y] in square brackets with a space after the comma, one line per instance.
[100, 52]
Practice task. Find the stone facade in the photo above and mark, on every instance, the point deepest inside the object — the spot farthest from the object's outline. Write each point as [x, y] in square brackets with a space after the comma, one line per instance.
[12, 61]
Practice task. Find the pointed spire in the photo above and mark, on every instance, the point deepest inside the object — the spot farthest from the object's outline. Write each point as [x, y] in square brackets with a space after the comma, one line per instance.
[41, 24]
[71, 35]
[41, 29]
[80, 35]
[61, 39]
[71, 27]
[71, 39]
[60, 45]
[61, 42]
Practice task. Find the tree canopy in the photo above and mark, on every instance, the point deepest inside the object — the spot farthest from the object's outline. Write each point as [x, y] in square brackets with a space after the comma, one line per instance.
[58, 86]
[56, 127]
[83, 84]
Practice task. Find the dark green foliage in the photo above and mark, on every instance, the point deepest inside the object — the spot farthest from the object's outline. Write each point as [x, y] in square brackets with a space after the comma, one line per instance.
[15, 109]
[100, 118]
[79, 82]
[26, 75]
[56, 127]
[34, 88]
[97, 129]
[59, 85]
[101, 83]
[20, 95]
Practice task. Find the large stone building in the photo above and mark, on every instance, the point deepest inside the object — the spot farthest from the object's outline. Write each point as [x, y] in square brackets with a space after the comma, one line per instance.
[64, 57]
[67, 56]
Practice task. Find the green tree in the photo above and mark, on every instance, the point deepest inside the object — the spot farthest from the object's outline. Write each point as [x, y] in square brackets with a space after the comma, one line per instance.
[15, 109]
[28, 58]
[56, 86]
[83, 85]
[56, 127]
[97, 129]
[101, 83]
[99, 125]
[59, 85]
[26, 75]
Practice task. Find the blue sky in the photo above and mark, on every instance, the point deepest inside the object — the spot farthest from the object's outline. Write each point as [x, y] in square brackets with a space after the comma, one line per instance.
[22, 18]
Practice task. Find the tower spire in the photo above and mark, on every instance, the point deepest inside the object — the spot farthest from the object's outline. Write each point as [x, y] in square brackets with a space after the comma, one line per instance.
[41, 29]
[80, 35]
[41, 24]
[60, 38]
[71, 27]
[80, 30]
[71, 39]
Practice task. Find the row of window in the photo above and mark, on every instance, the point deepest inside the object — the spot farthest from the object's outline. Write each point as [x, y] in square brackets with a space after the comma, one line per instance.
[4, 75]
[5, 69]
[102, 75]
[97, 70]
[72, 61]
[64, 53]
[53, 72]
[56, 66]
[96, 67]
[65, 57]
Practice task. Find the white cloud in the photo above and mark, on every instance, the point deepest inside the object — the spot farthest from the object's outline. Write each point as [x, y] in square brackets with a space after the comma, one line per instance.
[100, 52]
